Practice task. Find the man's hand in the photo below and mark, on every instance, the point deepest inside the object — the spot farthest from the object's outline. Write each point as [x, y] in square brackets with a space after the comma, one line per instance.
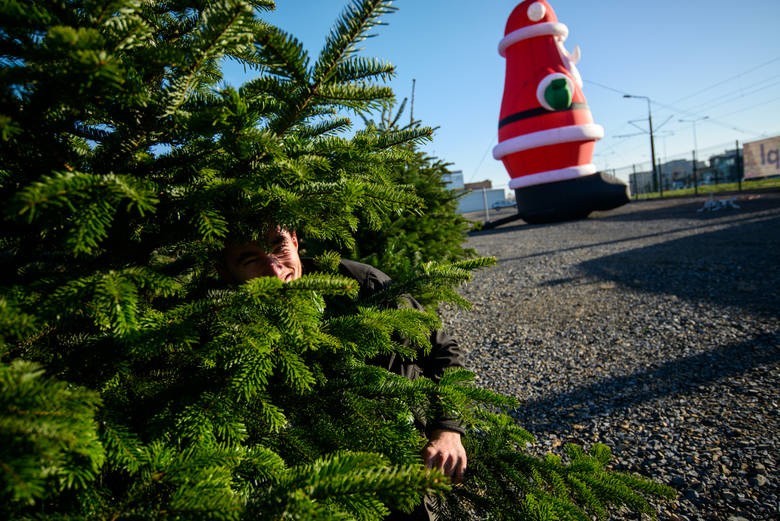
[445, 452]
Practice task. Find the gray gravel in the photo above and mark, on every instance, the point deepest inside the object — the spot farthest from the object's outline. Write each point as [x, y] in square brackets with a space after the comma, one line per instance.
[653, 328]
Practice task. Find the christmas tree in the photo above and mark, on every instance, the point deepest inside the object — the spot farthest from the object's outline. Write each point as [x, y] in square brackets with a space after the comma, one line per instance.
[404, 242]
[133, 385]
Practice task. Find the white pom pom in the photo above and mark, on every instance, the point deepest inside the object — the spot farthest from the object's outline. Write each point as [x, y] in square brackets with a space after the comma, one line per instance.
[536, 11]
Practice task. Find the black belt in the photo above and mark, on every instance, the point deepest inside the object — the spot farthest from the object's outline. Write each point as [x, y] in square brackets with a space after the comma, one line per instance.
[532, 113]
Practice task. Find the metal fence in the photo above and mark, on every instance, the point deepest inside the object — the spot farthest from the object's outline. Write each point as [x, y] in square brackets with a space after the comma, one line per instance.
[701, 171]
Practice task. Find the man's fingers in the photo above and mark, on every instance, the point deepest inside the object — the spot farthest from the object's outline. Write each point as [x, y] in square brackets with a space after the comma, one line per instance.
[450, 461]
[445, 452]
[447, 465]
[460, 470]
[431, 457]
[437, 459]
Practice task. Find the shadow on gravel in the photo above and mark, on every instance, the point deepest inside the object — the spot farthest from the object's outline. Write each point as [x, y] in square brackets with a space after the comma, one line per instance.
[503, 229]
[664, 209]
[643, 211]
[734, 266]
[661, 209]
[698, 226]
[679, 377]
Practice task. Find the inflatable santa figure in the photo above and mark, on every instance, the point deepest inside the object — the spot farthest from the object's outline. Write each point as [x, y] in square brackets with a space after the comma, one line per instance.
[546, 132]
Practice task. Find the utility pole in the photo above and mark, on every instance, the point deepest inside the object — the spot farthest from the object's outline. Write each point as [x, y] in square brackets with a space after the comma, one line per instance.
[739, 165]
[695, 149]
[652, 140]
[485, 205]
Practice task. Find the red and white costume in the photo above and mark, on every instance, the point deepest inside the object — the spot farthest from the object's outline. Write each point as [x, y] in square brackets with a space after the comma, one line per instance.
[546, 131]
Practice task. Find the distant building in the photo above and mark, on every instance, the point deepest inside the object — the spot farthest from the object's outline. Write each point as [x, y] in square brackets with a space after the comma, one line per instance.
[479, 185]
[677, 173]
[478, 200]
[674, 174]
[724, 168]
[453, 180]
[473, 197]
[641, 182]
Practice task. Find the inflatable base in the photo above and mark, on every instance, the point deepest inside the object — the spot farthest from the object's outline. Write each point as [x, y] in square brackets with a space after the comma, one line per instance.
[571, 199]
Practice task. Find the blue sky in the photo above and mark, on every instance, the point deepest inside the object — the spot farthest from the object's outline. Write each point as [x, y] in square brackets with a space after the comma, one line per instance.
[693, 59]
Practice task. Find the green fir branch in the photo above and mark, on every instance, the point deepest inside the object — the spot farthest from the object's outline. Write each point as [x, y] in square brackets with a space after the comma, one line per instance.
[282, 55]
[360, 68]
[358, 97]
[350, 29]
[48, 436]
[223, 26]
[356, 475]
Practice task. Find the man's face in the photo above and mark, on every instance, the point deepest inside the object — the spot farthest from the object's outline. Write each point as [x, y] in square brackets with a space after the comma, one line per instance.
[276, 257]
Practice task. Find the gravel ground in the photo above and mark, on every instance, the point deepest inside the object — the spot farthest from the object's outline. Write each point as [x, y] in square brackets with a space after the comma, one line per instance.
[653, 328]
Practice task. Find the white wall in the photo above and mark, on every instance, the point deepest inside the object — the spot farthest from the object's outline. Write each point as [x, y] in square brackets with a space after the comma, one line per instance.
[453, 180]
[474, 201]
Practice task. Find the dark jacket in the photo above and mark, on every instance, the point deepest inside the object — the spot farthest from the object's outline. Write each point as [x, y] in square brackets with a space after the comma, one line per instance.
[444, 352]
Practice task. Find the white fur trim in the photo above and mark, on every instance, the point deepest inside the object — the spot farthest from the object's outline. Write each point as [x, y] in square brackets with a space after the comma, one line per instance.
[552, 176]
[552, 136]
[544, 29]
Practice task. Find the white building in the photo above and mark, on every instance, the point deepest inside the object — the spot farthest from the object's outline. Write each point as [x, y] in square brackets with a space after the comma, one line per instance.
[453, 180]
[478, 200]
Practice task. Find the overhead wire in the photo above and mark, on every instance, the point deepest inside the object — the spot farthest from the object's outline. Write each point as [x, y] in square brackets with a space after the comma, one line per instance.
[722, 99]
[736, 76]
[710, 119]
[751, 107]
[493, 140]
[605, 87]
[735, 95]
[694, 112]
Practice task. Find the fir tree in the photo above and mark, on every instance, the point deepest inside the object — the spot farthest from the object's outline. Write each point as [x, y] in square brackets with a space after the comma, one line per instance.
[436, 231]
[133, 385]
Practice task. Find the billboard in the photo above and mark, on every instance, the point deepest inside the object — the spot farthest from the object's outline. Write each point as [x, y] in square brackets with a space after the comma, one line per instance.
[762, 158]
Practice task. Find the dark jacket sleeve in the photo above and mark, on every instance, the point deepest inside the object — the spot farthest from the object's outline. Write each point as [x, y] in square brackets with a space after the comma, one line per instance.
[444, 353]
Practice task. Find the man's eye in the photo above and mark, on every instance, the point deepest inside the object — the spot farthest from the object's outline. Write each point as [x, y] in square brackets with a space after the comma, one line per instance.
[249, 261]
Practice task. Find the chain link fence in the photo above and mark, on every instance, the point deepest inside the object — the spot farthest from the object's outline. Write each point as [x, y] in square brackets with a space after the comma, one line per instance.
[707, 170]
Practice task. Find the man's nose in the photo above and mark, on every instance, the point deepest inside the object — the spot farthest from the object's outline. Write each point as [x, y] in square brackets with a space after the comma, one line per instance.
[274, 267]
